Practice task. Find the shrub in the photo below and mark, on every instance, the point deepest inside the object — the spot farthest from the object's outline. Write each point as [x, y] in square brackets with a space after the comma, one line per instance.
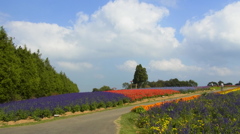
[93, 106]
[58, 110]
[76, 108]
[109, 104]
[101, 105]
[84, 107]
[46, 113]
[22, 114]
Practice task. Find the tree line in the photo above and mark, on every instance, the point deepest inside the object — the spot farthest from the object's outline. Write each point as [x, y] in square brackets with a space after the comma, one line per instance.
[161, 83]
[25, 75]
[140, 80]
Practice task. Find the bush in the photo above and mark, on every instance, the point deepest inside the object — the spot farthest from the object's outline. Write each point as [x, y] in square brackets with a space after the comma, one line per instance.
[140, 110]
[58, 110]
[10, 117]
[46, 113]
[22, 114]
[93, 106]
[120, 103]
[67, 108]
[126, 100]
[84, 107]
[76, 108]
[2, 114]
[101, 105]
[109, 104]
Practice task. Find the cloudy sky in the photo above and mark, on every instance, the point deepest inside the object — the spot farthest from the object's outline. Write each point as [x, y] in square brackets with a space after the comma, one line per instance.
[100, 42]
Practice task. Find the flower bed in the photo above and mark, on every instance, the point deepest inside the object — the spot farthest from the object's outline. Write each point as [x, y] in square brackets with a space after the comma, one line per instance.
[211, 113]
[229, 91]
[147, 107]
[48, 106]
[138, 94]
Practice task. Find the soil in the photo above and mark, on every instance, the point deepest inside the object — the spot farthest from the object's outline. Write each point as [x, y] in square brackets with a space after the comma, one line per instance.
[30, 120]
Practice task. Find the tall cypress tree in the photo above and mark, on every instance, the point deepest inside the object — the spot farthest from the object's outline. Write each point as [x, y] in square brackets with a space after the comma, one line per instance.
[140, 76]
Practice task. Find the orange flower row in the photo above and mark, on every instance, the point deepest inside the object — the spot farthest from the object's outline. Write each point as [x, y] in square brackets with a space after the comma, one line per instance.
[147, 107]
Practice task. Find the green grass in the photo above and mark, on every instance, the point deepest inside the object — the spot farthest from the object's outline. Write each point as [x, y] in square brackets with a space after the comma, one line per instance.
[128, 122]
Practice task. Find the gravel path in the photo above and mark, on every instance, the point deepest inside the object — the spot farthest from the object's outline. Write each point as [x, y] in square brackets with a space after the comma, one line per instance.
[94, 123]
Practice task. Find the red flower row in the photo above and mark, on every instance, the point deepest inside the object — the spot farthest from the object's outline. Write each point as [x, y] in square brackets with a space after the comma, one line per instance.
[136, 94]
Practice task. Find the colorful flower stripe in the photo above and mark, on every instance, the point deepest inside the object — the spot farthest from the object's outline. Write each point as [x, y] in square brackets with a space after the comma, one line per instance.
[229, 90]
[136, 94]
[147, 107]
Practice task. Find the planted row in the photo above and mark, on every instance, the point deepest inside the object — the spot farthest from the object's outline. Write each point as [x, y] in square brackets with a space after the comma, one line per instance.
[142, 108]
[48, 106]
[138, 94]
[211, 113]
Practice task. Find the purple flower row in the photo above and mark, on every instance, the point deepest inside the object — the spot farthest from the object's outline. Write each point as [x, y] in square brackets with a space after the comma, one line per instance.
[61, 101]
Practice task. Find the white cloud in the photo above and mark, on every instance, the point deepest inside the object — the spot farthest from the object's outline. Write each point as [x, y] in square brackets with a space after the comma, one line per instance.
[215, 37]
[118, 29]
[171, 65]
[51, 39]
[220, 71]
[129, 65]
[82, 66]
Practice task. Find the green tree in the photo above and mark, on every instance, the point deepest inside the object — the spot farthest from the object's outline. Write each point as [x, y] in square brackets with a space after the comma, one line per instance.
[95, 90]
[105, 88]
[140, 76]
[126, 85]
[9, 69]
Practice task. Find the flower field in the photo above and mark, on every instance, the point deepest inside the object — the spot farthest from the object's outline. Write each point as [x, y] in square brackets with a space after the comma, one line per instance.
[230, 90]
[138, 94]
[148, 107]
[48, 106]
[73, 102]
[210, 114]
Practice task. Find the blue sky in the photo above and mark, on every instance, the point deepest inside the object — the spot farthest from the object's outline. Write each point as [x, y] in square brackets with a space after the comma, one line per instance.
[100, 43]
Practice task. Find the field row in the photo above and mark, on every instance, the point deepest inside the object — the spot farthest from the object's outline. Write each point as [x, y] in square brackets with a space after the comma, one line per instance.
[74, 102]
[209, 113]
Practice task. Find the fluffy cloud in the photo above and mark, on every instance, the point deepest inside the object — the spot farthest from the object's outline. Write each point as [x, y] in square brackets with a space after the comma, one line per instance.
[120, 28]
[75, 66]
[171, 65]
[220, 71]
[129, 65]
[216, 37]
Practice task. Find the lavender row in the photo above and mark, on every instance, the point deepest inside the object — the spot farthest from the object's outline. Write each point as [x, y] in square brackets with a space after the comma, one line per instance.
[61, 101]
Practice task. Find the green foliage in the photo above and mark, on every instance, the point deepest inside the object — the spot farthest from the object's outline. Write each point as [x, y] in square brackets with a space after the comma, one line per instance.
[11, 116]
[25, 75]
[140, 76]
[22, 114]
[76, 108]
[109, 104]
[172, 83]
[93, 106]
[101, 105]
[139, 110]
[58, 110]
[103, 88]
[126, 85]
[84, 107]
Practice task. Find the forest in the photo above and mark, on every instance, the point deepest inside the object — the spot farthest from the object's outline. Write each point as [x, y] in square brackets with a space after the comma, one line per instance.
[25, 75]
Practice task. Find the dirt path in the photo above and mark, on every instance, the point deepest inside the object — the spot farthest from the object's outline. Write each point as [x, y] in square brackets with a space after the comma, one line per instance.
[94, 123]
